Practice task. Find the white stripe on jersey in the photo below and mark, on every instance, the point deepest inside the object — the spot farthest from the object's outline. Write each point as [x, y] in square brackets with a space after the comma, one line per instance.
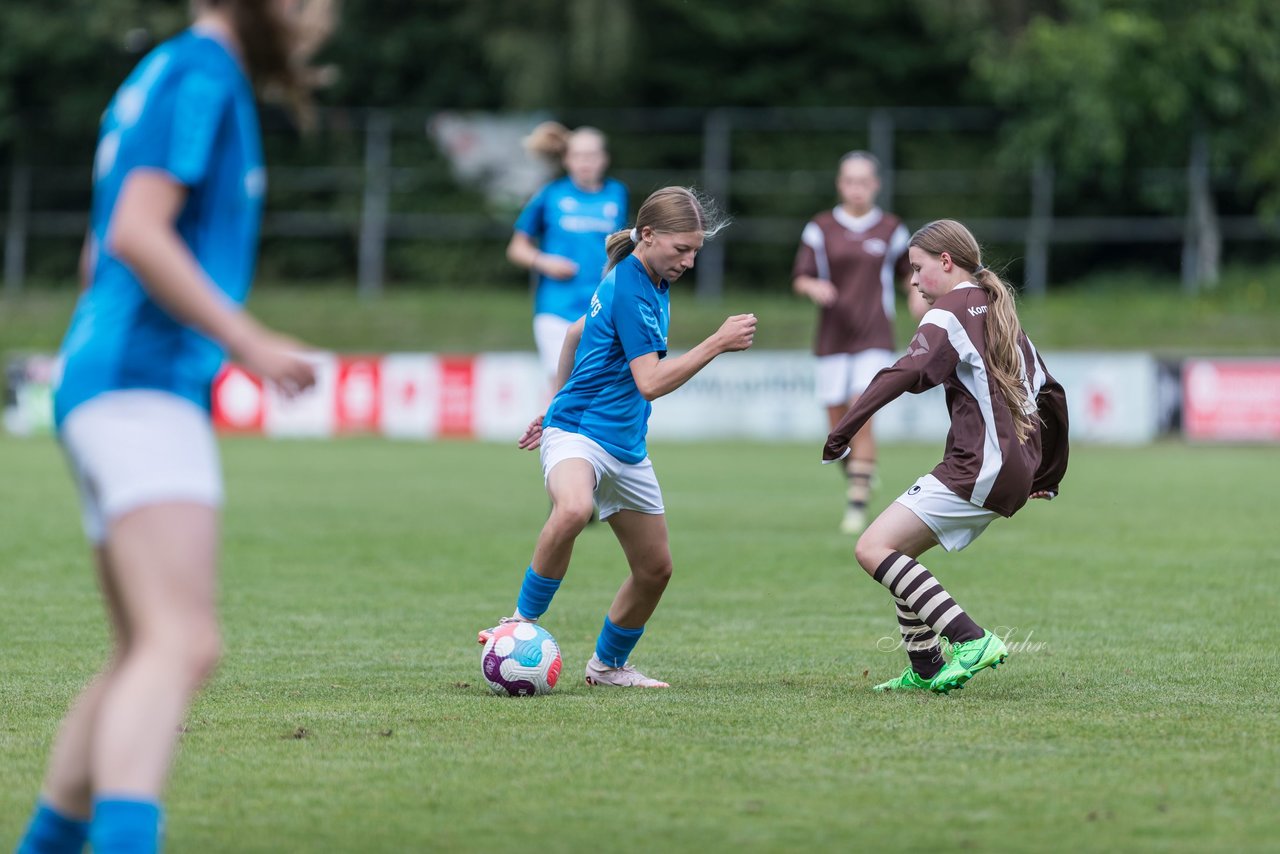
[812, 237]
[1032, 380]
[972, 373]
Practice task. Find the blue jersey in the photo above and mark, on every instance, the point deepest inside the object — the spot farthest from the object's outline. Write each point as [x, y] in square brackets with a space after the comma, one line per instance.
[187, 110]
[574, 223]
[629, 317]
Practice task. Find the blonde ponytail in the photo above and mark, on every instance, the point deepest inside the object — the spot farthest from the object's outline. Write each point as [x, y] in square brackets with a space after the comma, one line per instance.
[618, 246]
[1004, 356]
[549, 140]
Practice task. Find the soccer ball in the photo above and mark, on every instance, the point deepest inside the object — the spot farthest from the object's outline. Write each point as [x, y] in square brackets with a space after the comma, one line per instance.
[521, 660]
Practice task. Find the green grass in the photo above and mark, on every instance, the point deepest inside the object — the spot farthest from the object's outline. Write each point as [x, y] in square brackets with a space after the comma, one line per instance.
[1123, 311]
[349, 715]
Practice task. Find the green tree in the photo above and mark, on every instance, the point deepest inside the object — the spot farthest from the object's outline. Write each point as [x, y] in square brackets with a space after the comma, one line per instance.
[58, 69]
[1106, 86]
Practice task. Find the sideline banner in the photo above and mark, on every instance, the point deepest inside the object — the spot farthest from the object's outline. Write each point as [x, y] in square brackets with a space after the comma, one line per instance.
[1226, 400]
[758, 395]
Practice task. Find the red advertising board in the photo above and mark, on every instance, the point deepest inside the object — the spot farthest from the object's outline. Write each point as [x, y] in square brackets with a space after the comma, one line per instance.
[1231, 400]
[239, 405]
[457, 395]
[358, 395]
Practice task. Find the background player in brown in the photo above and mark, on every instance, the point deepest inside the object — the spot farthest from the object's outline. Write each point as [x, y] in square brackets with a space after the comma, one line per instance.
[848, 261]
[1008, 443]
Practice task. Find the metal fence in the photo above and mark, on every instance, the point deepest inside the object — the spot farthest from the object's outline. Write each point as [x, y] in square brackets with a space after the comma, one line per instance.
[380, 182]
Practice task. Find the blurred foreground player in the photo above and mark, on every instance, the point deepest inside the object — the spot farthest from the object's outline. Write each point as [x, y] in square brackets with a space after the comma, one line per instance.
[178, 189]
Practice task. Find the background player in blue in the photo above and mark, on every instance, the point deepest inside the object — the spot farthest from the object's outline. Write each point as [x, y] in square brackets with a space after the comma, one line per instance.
[178, 186]
[560, 234]
[592, 436]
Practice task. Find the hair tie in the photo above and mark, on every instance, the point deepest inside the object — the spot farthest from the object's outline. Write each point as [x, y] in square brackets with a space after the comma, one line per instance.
[635, 236]
[978, 269]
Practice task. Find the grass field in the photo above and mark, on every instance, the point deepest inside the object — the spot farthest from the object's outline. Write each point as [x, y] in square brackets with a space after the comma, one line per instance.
[1139, 713]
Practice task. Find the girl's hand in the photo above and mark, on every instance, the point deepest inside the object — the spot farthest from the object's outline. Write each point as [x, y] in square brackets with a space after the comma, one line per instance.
[556, 267]
[532, 435]
[1045, 494]
[279, 360]
[823, 293]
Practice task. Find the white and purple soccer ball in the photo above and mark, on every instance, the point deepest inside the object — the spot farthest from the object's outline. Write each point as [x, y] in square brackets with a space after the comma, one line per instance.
[521, 660]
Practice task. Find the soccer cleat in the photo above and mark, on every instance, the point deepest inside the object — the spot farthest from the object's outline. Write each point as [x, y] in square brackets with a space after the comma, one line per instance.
[625, 676]
[482, 637]
[854, 521]
[967, 659]
[908, 681]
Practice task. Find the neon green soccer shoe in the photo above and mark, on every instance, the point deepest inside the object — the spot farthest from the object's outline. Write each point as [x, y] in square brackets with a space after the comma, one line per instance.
[967, 659]
[908, 681]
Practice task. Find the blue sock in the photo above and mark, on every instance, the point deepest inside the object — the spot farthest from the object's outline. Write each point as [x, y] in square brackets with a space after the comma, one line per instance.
[125, 826]
[535, 594]
[51, 832]
[615, 643]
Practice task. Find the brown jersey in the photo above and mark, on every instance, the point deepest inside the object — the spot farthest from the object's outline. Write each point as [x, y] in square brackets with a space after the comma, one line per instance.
[861, 256]
[984, 462]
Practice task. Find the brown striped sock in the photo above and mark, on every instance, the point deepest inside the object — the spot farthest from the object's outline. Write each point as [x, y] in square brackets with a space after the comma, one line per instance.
[920, 642]
[926, 597]
[859, 474]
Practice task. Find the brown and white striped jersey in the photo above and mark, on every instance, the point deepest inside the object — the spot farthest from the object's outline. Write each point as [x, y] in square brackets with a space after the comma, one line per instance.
[863, 257]
[984, 462]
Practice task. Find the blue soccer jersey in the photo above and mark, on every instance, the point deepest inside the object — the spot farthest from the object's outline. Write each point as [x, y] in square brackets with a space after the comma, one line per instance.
[573, 223]
[187, 110]
[629, 317]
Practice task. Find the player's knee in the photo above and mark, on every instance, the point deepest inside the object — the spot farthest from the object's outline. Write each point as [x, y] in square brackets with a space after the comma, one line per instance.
[657, 574]
[573, 512]
[870, 552]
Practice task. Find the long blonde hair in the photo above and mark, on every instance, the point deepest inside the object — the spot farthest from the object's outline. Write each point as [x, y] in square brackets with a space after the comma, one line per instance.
[1004, 356]
[672, 210]
[278, 48]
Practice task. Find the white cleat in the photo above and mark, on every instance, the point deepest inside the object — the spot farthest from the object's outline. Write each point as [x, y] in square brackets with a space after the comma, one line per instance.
[625, 676]
[854, 521]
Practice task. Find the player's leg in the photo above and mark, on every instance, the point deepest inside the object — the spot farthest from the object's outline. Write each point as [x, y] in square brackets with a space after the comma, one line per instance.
[61, 821]
[924, 652]
[571, 484]
[833, 382]
[860, 469]
[892, 532]
[162, 559]
[860, 466]
[887, 551]
[644, 541]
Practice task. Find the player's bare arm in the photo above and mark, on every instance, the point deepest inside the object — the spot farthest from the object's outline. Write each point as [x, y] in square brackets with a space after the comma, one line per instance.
[657, 377]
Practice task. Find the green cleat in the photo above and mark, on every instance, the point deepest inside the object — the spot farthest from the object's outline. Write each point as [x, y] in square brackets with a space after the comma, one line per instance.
[908, 681]
[967, 659]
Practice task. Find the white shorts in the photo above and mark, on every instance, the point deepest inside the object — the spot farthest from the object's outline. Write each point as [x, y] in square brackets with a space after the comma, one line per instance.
[954, 521]
[131, 448]
[843, 376]
[548, 333]
[619, 485]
